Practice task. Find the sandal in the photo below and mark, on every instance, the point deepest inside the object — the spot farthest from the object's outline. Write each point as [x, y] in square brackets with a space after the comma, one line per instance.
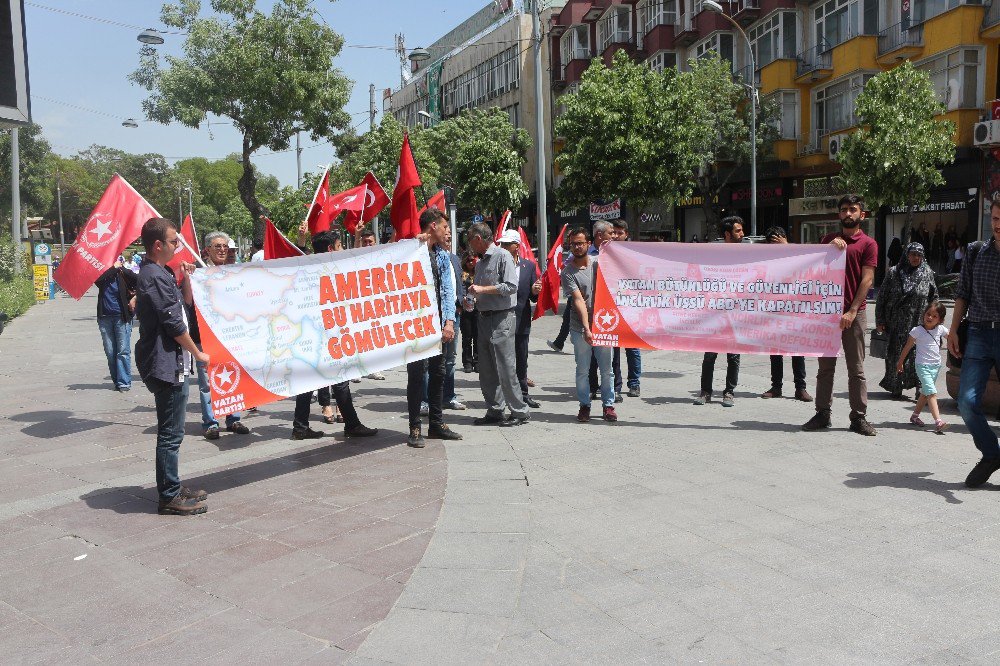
[939, 426]
[915, 420]
[328, 419]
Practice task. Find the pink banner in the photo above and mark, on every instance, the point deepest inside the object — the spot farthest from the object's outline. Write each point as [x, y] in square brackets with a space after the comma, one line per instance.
[735, 298]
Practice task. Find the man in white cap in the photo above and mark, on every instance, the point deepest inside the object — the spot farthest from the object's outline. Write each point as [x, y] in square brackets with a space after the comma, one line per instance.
[528, 289]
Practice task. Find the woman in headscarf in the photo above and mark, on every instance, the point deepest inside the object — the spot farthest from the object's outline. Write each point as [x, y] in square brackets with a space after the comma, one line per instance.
[908, 289]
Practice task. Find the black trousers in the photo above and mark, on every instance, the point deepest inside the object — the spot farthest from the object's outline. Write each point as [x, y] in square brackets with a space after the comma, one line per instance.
[778, 370]
[616, 367]
[434, 368]
[560, 340]
[708, 370]
[470, 330]
[345, 403]
[521, 361]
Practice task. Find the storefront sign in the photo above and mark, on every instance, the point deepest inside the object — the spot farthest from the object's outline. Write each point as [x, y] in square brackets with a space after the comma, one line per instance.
[694, 201]
[813, 206]
[767, 195]
[608, 211]
[936, 207]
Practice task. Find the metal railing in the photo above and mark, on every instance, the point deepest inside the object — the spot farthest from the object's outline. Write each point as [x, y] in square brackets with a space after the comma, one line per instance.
[743, 75]
[812, 143]
[900, 35]
[810, 60]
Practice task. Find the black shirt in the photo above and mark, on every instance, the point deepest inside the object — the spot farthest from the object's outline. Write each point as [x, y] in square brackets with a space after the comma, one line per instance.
[126, 289]
[979, 282]
[158, 308]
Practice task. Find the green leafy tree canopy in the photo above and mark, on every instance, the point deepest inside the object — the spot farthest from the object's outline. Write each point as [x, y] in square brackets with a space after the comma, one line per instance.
[896, 156]
[271, 74]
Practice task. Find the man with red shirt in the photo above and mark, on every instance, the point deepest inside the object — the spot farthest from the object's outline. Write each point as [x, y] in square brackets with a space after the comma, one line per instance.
[862, 257]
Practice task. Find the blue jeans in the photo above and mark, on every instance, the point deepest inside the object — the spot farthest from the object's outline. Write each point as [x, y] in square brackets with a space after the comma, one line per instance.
[584, 352]
[982, 354]
[205, 394]
[171, 401]
[633, 358]
[117, 337]
[450, 350]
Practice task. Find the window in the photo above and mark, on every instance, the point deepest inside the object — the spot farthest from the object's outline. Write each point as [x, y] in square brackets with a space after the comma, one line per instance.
[787, 122]
[615, 26]
[487, 80]
[514, 113]
[955, 76]
[923, 10]
[833, 107]
[721, 43]
[651, 13]
[662, 60]
[773, 38]
[836, 22]
[574, 45]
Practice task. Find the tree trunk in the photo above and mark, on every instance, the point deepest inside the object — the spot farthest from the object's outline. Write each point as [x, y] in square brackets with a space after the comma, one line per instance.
[908, 223]
[247, 186]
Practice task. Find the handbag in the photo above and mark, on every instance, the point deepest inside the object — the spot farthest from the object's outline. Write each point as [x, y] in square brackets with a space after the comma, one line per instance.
[879, 344]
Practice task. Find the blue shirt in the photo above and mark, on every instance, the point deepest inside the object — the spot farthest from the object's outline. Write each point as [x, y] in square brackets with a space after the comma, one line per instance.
[446, 290]
[109, 299]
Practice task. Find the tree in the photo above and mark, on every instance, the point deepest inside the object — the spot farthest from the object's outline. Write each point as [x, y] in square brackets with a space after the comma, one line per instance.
[897, 154]
[713, 129]
[37, 177]
[272, 75]
[619, 136]
[480, 154]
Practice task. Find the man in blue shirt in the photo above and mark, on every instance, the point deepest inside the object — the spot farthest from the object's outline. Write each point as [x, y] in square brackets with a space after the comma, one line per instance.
[435, 228]
[115, 305]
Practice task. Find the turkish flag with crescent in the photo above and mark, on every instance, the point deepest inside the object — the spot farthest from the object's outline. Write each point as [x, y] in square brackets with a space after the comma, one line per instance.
[438, 200]
[375, 202]
[115, 222]
[502, 227]
[276, 246]
[183, 253]
[316, 217]
[405, 221]
[548, 298]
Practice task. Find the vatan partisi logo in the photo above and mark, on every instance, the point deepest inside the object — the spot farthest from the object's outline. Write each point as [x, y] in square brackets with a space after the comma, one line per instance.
[225, 378]
[101, 230]
[606, 321]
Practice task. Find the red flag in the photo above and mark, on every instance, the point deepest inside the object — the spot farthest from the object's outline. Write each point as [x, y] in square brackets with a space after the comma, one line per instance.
[502, 227]
[524, 249]
[276, 246]
[436, 200]
[115, 222]
[316, 216]
[405, 221]
[548, 298]
[377, 199]
[182, 253]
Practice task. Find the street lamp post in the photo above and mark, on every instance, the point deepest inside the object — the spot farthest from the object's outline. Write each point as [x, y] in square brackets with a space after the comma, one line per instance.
[713, 6]
[62, 235]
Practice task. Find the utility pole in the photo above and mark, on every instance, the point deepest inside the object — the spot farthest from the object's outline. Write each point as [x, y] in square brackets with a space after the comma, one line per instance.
[180, 209]
[190, 189]
[371, 106]
[298, 162]
[15, 195]
[62, 235]
[541, 199]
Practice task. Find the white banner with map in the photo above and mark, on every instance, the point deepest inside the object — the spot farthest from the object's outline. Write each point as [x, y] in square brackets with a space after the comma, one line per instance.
[282, 327]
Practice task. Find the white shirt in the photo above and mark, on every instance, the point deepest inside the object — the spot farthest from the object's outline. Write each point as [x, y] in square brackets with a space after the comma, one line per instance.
[928, 344]
[257, 256]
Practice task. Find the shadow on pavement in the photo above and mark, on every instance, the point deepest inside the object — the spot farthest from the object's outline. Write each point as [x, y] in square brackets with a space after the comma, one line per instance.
[907, 481]
[235, 477]
[107, 386]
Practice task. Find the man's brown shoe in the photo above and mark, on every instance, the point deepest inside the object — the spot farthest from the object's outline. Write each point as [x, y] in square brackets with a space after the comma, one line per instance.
[771, 393]
[238, 428]
[803, 395]
[862, 427]
[182, 506]
[583, 416]
[191, 493]
[819, 421]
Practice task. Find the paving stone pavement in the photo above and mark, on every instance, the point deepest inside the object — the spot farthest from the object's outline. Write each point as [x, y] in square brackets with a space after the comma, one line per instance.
[681, 534]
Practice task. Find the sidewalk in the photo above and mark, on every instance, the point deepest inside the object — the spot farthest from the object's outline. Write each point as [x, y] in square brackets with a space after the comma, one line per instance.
[682, 534]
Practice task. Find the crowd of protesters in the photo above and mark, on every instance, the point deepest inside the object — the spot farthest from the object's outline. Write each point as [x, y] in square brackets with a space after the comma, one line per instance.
[485, 299]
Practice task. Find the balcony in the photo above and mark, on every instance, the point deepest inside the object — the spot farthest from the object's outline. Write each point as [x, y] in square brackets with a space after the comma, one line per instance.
[660, 38]
[991, 21]
[687, 31]
[745, 11]
[814, 64]
[900, 42]
[812, 143]
[743, 76]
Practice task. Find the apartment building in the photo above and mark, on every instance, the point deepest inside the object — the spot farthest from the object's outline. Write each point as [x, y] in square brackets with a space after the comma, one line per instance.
[486, 61]
[812, 59]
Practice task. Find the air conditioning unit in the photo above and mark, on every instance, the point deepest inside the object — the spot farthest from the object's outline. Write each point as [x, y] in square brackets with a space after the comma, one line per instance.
[835, 144]
[986, 133]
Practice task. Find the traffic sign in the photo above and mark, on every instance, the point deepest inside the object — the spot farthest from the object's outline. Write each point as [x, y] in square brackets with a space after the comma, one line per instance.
[477, 218]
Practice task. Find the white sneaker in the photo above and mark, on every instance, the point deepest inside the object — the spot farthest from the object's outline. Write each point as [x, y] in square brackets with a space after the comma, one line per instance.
[455, 404]
[424, 409]
[375, 375]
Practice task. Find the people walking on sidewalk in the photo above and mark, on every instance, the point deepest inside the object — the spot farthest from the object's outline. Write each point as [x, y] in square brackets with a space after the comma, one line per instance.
[978, 297]
[777, 235]
[908, 288]
[528, 288]
[732, 232]
[578, 286]
[494, 288]
[927, 341]
[160, 357]
[633, 357]
[859, 274]
[115, 309]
